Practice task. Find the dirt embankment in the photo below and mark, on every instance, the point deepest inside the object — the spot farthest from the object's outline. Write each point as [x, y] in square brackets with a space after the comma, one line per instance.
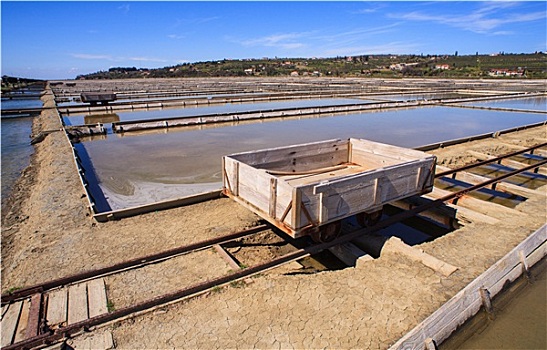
[47, 233]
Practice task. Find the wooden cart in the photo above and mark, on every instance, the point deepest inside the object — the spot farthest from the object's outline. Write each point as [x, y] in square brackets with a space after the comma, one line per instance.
[308, 189]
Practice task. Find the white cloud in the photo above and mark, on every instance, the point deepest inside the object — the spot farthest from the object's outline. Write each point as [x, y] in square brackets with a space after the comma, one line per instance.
[147, 59]
[284, 41]
[175, 36]
[111, 58]
[396, 47]
[86, 56]
[483, 20]
[124, 8]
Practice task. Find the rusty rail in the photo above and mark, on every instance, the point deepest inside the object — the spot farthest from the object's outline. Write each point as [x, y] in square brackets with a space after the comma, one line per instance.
[52, 336]
[145, 260]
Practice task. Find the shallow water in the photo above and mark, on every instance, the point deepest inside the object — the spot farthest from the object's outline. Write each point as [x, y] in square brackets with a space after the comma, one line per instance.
[16, 151]
[224, 108]
[21, 103]
[128, 164]
[532, 103]
[520, 321]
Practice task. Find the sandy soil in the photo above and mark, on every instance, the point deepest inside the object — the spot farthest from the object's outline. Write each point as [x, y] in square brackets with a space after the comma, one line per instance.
[47, 233]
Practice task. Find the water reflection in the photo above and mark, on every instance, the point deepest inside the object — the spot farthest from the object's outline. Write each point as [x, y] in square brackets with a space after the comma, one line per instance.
[196, 110]
[532, 103]
[137, 169]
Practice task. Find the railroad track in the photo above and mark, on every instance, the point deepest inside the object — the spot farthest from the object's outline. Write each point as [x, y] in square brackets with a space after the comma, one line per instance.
[25, 313]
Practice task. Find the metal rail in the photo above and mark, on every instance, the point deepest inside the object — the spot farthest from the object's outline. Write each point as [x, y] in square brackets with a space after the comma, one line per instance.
[488, 161]
[141, 261]
[52, 336]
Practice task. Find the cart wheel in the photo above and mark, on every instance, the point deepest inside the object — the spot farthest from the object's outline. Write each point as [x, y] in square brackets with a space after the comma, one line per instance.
[328, 232]
[369, 219]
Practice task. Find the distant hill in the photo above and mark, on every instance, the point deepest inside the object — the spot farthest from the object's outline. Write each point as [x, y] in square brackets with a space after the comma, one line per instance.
[387, 66]
[12, 83]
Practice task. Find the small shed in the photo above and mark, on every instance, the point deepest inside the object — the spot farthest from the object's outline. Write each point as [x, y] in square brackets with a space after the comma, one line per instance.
[95, 98]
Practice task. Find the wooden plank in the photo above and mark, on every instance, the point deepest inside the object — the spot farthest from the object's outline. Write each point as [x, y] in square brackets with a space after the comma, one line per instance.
[468, 215]
[22, 325]
[467, 302]
[253, 186]
[9, 323]
[396, 152]
[57, 307]
[484, 207]
[395, 244]
[33, 324]
[273, 197]
[298, 157]
[227, 257]
[96, 297]
[500, 186]
[326, 176]
[77, 303]
[348, 253]
[507, 162]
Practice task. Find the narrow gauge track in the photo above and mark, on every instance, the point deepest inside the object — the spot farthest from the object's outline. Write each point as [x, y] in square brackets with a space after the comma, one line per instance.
[50, 336]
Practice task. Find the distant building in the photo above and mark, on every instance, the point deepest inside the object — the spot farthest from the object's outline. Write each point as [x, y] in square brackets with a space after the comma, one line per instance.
[506, 73]
[442, 66]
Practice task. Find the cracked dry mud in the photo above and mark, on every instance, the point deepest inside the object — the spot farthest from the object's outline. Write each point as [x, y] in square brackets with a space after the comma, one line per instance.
[47, 233]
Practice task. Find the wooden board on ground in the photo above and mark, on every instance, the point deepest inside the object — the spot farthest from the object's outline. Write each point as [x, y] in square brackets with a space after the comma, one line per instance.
[22, 325]
[77, 303]
[9, 322]
[96, 296]
[57, 307]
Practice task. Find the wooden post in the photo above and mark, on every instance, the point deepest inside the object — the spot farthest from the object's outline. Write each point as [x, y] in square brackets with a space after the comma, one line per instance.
[273, 197]
[486, 301]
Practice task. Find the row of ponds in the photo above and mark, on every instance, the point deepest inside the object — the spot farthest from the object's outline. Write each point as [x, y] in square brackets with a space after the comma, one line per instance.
[138, 168]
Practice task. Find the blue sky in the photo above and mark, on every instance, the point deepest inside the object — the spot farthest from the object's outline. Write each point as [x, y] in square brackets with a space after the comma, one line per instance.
[54, 40]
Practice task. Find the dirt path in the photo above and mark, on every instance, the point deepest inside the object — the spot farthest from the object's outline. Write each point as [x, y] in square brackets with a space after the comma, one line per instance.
[47, 233]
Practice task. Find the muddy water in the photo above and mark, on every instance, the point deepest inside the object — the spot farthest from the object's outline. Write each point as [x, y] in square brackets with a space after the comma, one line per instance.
[137, 169]
[520, 319]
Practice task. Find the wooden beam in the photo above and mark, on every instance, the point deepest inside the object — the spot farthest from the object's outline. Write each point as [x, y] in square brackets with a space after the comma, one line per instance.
[465, 304]
[348, 253]
[484, 207]
[227, 257]
[500, 186]
[507, 162]
[396, 245]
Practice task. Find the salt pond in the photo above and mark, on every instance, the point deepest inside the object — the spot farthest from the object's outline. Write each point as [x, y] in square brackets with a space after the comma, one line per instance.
[531, 103]
[222, 108]
[134, 169]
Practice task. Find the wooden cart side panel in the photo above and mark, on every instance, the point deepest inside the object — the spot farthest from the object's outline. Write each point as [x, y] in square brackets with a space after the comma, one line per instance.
[373, 155]
[395, 152]
[371, 190]
[253, 187]
[308, 163]
[230, 177]
[284, 201]
[298, 158]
